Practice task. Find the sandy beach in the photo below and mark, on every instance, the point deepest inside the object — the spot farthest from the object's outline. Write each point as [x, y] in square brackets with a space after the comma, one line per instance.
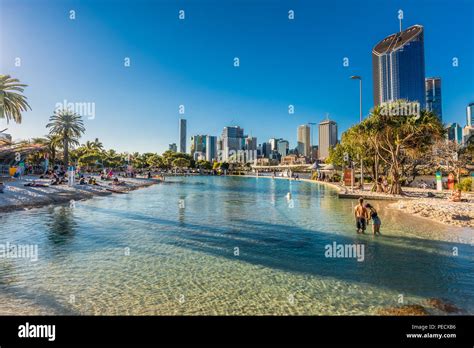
[18, 196]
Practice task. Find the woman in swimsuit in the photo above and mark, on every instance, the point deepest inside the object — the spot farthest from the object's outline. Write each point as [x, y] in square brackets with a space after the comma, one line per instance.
[376, 222]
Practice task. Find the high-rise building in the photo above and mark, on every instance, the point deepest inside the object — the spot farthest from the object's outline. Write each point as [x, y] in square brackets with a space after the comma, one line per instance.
[454, 133]
[467, 132]
[433, 96]
[273, 143]
[173, 147]
[198, 144]
[327, 138]
[398, 66]
[232, 140]
[266, 149]
[182, 135]
[282, 147]
[211, 148]
[251, 143]
[470, 115]
[304, 140]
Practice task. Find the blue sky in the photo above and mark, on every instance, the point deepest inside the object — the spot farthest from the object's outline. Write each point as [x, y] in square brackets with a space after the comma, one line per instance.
[190, 62]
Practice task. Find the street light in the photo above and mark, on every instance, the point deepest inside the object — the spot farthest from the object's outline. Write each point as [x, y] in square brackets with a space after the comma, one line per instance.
[356, 77]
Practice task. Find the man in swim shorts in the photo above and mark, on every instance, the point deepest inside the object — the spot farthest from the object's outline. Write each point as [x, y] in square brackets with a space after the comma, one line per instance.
[361, 215]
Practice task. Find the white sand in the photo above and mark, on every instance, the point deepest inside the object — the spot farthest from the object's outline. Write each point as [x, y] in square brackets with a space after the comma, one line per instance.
[17, 196]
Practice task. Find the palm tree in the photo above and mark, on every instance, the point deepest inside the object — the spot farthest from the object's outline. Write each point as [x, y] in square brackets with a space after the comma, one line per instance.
[69, 127]
[12, 101]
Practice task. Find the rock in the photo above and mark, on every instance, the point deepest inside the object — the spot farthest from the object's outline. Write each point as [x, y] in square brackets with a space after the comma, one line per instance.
[443, 305]
[403, 310]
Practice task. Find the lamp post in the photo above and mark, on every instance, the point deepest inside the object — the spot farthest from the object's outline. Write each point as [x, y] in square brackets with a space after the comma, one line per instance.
[355, 77]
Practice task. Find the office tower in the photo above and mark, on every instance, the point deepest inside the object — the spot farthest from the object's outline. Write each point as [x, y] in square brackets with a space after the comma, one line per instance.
[282, 147]
[211, 148]
[467, 132]
[454, 133]
[470, 115]
[433, 96]
[327, 138]
[314, 152]
[173, 147]
[273, 143]
[266, 149]
[398, 66]
[182, 135]
[304, 140]
[251, 143]
[232, 140]
[198, 144]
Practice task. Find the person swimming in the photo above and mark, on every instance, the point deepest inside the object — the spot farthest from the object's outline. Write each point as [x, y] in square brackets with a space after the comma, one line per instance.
[373, 215]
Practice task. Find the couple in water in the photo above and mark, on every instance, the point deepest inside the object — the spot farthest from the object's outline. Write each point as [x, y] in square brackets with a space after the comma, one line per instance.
[364, 213]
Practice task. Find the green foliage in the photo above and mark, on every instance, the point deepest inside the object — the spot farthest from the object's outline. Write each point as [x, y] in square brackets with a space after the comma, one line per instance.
[12, 101]
[181, 162]
[465, 184]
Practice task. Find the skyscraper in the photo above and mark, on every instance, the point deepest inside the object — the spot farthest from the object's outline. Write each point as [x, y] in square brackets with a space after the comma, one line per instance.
[211, 148]
[232, 140]
[327, 138]
[273, 143]
[282, 147]
[198, 144]
[304, 140]
[398, 66]
[433, 96]
[251, 143]
[173, 147]
[454, 133]
[182, 135]
[470, 115]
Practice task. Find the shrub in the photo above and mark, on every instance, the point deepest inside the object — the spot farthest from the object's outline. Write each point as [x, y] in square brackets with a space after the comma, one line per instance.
[465, 184]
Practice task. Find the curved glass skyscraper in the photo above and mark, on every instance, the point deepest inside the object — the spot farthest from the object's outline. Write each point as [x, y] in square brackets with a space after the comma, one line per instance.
[398, 63]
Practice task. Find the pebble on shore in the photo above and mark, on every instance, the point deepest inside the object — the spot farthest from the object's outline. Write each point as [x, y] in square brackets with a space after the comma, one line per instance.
[450, 213]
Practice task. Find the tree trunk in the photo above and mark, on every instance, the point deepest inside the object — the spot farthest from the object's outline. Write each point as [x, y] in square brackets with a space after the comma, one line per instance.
[396, 188]
[66, 153]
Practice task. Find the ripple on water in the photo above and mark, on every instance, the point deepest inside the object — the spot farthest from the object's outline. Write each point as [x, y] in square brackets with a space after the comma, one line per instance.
[141, 254]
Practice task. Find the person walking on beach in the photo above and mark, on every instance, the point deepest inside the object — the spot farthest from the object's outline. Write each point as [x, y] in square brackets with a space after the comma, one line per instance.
[361, 215]
[376, 222]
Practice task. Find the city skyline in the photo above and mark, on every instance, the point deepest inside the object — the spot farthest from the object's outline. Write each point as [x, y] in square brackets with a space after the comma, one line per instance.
[256, 95]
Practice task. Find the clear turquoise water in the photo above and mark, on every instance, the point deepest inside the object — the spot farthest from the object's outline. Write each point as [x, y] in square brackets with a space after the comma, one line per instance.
[142, 254]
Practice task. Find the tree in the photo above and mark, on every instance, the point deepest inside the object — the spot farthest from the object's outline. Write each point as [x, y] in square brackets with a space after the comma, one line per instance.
[155, 161]
[204, 164]
[398, 136]
[448, 154]
[12, 101]
[69, 127]
[389, 140]
[181, 163]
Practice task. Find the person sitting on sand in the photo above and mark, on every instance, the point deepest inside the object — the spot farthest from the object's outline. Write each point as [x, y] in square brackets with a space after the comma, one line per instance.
[2, 187]
[92, 181]
[361, 215]
[82, 180]
[373, 215]
[385, 185]
[35, 184]
[455, 196]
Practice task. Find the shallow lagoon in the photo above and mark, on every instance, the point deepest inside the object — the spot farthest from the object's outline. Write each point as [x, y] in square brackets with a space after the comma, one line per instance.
[227, 245]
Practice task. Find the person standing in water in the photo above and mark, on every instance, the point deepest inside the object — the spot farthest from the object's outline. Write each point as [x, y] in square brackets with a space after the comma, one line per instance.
[361, 215]
[376, 222]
